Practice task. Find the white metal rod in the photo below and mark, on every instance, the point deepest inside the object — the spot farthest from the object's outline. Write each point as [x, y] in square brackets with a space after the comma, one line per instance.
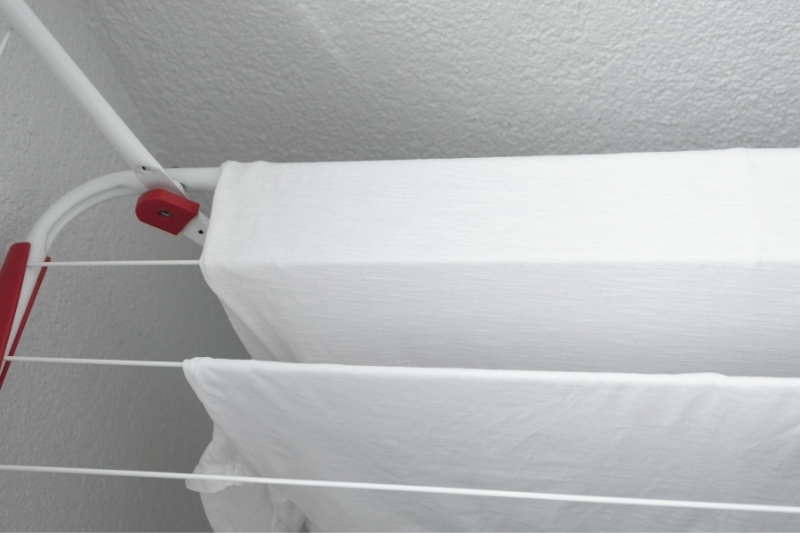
[612, 500]
[168, 262]
[104, 362]
[4, 42]
[38, 37]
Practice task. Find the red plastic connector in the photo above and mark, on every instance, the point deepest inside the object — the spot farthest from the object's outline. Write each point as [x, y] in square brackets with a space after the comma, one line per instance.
[166, 210]
[11, 276]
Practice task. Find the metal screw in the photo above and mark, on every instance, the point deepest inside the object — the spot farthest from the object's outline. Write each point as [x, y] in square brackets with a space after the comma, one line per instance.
[165, 213]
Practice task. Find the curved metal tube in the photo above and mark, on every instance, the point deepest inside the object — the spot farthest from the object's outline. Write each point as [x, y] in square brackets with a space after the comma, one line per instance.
[78, 200]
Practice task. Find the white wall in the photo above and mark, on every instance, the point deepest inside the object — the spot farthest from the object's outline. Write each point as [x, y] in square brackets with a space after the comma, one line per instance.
[310, 80]
[97, 417]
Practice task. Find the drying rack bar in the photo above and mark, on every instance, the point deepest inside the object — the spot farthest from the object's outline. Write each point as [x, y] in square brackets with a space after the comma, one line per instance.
[155, 262]
[101, 362]
[23, 269]
[28, 26]
[576, 498]
[4, 41]
[162, 201]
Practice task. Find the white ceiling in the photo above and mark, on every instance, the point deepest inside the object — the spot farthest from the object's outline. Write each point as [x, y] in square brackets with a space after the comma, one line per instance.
[333, 80]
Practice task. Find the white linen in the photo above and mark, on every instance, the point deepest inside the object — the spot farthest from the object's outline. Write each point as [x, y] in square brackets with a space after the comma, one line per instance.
[701, 437]
[654, 263]
[661, 262]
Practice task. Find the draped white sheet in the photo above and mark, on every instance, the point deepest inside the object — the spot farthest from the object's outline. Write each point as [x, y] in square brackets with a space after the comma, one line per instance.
[702, 437]
[655, 263]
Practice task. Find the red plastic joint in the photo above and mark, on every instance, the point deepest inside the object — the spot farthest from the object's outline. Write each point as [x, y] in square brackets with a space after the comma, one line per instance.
[12, 275]
[166, 210]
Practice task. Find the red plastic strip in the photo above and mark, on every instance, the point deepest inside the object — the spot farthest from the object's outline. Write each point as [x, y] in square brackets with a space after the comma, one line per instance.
[166, 210]
[11, 276]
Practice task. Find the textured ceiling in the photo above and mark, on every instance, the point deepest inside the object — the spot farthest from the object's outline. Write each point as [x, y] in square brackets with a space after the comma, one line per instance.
[311, 80]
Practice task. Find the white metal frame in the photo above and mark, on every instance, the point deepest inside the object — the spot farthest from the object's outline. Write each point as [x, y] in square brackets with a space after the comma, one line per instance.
[27, 25]
[146, 173]
[91, 193]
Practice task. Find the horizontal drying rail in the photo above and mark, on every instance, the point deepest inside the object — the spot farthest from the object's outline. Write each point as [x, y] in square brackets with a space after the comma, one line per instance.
[425, 489]
[24, 266]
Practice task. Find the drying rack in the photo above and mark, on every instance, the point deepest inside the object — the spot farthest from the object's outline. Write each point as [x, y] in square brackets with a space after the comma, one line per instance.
[162, 203]
[162, 199]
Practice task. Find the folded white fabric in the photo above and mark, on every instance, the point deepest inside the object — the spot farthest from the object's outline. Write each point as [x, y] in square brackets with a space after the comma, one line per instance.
[661, 262]
[699, 437]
